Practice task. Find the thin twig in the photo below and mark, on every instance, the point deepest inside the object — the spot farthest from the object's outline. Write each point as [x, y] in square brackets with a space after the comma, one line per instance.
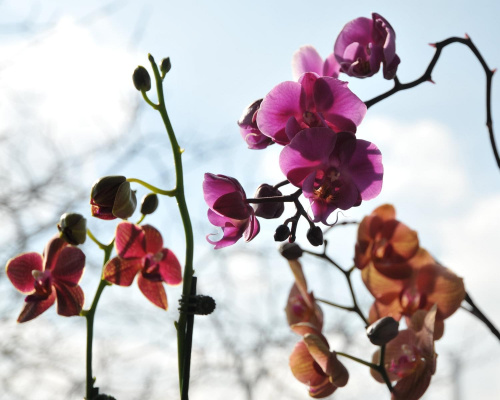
[478, 314]
[427, 77]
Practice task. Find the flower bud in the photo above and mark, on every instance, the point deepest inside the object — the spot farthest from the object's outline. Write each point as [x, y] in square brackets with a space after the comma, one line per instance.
[272, 209]
[149, 204]
[291, 251]
[111, 197]
[282, 233]
[315, 236]
[141, 79]
[73, 228]
[165, 66]
[382, 331]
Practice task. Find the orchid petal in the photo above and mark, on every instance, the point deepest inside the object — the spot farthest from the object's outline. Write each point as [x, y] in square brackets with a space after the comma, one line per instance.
[70, 299]
[170, 268]
[51, 252]
[130, 240]
[154, 292]
[19, 271]
[34, 308]
[122, 271]
[366, 169]
[69, 266]
[153, 240]
[306, 59]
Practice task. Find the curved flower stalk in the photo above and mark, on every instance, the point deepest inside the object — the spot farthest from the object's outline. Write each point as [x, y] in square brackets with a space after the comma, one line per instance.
[45, 278]
[307, 59]
[313, 101]
[364, 44]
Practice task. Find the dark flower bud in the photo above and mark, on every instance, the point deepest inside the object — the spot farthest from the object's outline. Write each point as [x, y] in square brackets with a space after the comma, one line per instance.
[282, 233]
[111, 197]
[73, 228]
[165, 66]
[141, 79]
[291, 251]
[149, 203]
[272, 209]
[382, 331]
[315, 236]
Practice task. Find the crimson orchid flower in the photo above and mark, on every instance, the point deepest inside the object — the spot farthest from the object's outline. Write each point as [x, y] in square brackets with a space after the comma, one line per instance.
[45, 278]
[141, 252]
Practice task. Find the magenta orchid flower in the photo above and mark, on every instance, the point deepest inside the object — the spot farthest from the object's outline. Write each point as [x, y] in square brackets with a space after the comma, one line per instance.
[307, 59]
[249, 129]
[313, 101]
[228, 209]
[141, 252]
[45, 278]
[363, 44]
[334, 170]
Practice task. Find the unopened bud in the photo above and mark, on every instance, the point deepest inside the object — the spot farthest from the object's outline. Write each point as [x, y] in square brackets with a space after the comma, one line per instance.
[315, 236]
[282, 233]
[165, 66]
[272, 209]
[73, 228]
[111, 197]
[291, 251]
[141, 79]
[149, 204]
[382, 331]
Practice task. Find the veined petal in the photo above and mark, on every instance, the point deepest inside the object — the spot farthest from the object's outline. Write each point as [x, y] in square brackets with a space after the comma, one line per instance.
[232, 205]
[51, 252]
[281, 103]
[323, 390]
[366, 169]
[378, 284]
[33, 309]
[153, 239]
[306, 59]
[154, 292]
[170, 268]
[130, 240]
[448, 292]
[19, 270]
[70, 299]
[121, 271]
[302, 366]
[69, 266]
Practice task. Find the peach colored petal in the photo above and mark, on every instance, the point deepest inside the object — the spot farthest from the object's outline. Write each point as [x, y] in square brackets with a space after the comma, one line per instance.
[379, 284]
[303, 367]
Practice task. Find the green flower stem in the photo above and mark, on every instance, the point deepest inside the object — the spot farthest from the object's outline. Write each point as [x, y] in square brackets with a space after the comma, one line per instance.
[186, 221]
[154, 189]
[94, 239]
[89, 316]
[359, 360]
[146, 99]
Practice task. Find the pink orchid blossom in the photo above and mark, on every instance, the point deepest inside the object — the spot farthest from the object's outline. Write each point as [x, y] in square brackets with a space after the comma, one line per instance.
[141, 252]
[313, 101]
[307, 59]
[334, 170]
[228, 209]
[249, 129]
[45, 278]
[363, 44]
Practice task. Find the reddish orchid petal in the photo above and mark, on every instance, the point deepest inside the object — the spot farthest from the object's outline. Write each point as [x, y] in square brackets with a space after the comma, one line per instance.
[303, 368]
[379, 284]
[153, 239]
[153, 291]
[70, 299]
[34, 307]
[130, 240]
[170, 268]
[69, 266]
[323, 390]
[51, 252]
[19, 271]
[121, 271]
